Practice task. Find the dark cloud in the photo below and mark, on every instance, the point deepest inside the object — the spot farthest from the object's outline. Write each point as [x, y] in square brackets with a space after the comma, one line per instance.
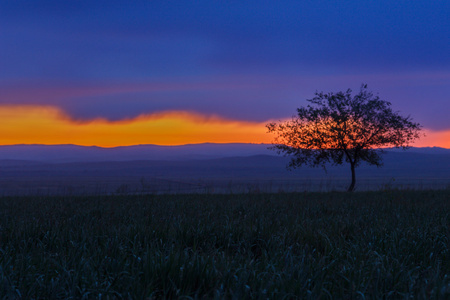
[282, 51]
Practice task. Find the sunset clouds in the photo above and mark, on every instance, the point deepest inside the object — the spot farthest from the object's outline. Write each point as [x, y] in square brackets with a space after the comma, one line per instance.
[100, 68]
[33, 124]
[49, 125]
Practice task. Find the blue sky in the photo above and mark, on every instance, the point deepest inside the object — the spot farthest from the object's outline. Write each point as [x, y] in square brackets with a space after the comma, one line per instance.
[243, 60]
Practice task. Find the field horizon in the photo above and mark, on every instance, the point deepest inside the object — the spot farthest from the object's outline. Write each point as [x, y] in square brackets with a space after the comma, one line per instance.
[64, 153]
[205, 168]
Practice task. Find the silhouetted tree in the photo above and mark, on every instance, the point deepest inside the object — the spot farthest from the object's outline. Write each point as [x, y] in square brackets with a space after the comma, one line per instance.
[338, 127]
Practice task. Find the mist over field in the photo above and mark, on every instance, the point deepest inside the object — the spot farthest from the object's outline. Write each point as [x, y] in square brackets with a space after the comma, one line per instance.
[210, 168]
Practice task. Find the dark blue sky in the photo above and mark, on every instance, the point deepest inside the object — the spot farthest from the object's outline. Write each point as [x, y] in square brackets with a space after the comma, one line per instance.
[246, 60]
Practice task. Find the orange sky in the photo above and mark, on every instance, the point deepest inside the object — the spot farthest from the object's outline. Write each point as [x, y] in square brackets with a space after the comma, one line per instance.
[50, 125]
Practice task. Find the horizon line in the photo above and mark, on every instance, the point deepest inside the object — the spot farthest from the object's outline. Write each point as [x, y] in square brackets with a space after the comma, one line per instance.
[188, 144]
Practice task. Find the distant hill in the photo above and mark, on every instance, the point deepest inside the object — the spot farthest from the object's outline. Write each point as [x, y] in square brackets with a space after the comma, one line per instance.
[73, 153]
[69, 169]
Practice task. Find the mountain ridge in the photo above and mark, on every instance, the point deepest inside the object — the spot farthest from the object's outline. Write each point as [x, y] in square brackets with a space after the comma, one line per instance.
[76, 153]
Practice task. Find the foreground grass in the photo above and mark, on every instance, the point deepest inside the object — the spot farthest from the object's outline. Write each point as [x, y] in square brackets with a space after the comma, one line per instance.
[392, 244]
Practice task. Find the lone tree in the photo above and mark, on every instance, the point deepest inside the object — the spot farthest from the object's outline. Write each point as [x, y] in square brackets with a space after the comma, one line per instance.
[338, 127]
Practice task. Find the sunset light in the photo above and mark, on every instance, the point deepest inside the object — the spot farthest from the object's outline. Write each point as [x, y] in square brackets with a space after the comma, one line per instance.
[434, 139]
[49, 125]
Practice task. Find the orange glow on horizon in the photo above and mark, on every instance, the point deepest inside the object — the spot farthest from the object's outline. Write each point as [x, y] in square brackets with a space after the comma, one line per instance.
[34, 124]
[434, 139]
[49, 125]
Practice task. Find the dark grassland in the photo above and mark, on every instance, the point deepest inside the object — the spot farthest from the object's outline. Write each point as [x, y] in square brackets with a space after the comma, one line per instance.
[376, 245]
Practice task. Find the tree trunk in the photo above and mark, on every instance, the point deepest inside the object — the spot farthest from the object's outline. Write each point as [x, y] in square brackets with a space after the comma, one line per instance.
[352, 185]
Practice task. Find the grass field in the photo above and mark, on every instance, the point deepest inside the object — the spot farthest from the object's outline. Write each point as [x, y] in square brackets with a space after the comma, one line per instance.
[374, 245]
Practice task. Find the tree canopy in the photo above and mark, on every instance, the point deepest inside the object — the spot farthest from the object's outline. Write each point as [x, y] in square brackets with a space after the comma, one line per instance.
[338, 127]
